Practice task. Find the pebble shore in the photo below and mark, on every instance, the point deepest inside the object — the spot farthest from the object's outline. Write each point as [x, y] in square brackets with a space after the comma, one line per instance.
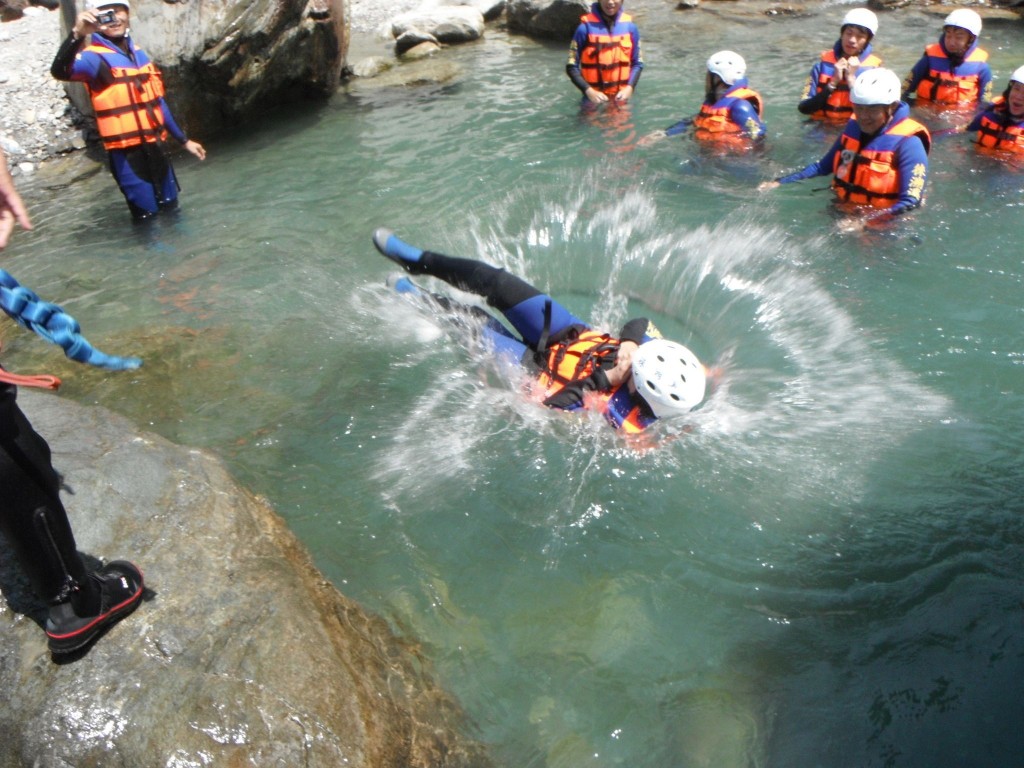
[38, 122]
[36, 119]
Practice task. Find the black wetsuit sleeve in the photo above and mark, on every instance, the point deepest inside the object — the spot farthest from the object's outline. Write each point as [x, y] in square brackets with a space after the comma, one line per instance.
[577, 77]
[573, 393]
[634, 330]
[65, 58]
[814, 103]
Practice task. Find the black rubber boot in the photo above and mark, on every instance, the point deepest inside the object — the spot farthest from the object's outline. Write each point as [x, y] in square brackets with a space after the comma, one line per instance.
[120, 586]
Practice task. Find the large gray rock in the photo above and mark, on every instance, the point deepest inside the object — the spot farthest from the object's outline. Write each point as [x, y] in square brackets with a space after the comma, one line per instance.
[491, 9]
[225, 61]
[446, 24]
[546, 19]
[243, 655]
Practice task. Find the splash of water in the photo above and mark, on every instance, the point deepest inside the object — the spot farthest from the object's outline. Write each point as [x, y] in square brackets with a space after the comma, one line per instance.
[803, 400]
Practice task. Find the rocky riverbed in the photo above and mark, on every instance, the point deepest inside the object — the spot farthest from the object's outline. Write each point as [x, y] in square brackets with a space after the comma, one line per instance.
[36, 119]
[38, 122]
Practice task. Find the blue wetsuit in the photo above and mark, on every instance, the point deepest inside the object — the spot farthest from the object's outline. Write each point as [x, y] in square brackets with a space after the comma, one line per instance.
[143, 172]
[910, 161]
[540, 321]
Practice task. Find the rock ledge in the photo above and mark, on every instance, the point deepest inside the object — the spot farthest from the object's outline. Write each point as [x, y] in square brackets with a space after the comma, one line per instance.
[243, 655]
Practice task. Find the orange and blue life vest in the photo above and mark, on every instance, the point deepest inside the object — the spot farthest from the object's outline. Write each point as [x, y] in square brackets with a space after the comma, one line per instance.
[570, 362]
[606, 59]
[997, 131]
[868, 175]
[714, 121]
[128, 109]
[945, 83]
[838, 106]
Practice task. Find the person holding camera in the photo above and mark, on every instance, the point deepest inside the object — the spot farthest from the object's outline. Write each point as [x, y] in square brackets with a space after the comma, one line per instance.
[127, 93]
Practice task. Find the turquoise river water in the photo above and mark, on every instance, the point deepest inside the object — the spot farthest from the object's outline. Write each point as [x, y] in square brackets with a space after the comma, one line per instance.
[826, 569]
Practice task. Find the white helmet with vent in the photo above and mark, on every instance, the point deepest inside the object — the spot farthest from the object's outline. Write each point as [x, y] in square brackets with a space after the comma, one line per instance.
[861, 17]
[964, 18]
[728, 65]
[669, 377]
[876, 86]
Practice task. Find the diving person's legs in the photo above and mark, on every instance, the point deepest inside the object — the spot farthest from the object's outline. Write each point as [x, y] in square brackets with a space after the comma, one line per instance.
[525, 307]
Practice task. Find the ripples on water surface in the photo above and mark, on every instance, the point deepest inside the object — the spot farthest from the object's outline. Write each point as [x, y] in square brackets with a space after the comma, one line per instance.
[825, 570]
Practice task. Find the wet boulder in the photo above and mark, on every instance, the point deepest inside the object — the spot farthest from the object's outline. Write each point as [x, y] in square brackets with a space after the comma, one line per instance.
[546, 19]
[449, 24]
[225, 62]
[242, 653]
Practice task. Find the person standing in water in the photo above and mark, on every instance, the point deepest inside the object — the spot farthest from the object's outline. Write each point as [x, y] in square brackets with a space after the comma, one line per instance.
[604, 57]
[827, 92]
[127, 93]
[1001, 126]
[731, 112]
[881, 158]
[953, 70]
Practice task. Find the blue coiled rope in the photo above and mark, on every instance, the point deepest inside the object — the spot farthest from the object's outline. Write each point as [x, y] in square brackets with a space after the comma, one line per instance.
[55, 325]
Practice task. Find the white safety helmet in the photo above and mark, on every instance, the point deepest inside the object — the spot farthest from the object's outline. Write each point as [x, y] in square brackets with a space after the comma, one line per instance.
[876, 86]
[861, 17]
[728, 65]
[964, 18]
[669, 377]
[1017, 76]
[93, 5]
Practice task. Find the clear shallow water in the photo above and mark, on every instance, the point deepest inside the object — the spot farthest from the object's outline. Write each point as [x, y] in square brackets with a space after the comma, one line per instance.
[825, 570]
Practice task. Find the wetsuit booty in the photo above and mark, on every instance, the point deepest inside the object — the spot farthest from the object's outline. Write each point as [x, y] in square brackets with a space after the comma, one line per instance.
[400, 252]
[401, 284]
[120, 585]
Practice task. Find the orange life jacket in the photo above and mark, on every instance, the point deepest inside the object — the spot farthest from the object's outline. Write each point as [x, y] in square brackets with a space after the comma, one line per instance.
[993, 134]
[574, 360]
[606, 59]
[942, 86]
[714, 118]
[838, 106]
[127, 110]
[869, 176]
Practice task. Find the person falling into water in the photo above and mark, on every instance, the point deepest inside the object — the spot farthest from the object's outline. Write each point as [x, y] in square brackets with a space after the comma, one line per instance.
[127, 95]
[881, 158]
[826, 95]
[731, 113]
[633, 379]
[604, 57]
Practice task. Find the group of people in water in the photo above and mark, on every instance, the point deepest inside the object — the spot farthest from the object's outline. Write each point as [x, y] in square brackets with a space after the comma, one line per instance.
[632, 378]
[880, 159]
[879, 165]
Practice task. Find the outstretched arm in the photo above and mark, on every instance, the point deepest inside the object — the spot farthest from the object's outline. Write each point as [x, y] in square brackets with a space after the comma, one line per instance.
[12, 209]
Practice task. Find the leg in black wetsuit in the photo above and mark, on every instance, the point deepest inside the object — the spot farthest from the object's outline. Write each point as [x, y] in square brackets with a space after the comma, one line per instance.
[35, 524]
[32, 516]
